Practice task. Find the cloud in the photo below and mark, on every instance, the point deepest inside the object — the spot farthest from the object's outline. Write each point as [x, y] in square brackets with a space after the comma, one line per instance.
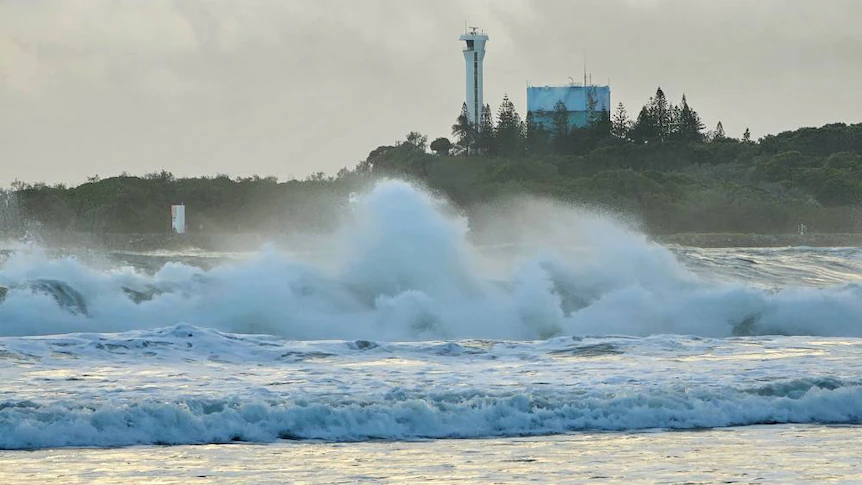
[294, 87]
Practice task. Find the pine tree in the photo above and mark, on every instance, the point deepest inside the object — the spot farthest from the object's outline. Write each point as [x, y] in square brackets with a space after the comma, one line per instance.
[719, 134]
[688, 126]
[592, 114]
[621, 124]
[509, 134]
[601, 125]
[464, 131]
[645, 128]
[746, 137]
[660, 112]
[560, 120]
[536, 138]
[675, 115]
[560, 126]
[486, 138]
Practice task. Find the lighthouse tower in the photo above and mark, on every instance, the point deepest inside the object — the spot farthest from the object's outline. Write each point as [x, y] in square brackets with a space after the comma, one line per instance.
[474, 54]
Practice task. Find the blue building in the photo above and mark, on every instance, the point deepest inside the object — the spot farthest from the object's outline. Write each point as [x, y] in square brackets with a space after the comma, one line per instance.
[579, 101]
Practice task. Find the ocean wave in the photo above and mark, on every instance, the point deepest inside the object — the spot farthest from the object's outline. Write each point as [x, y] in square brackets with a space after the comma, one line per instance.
[405, 267]
[31, 425]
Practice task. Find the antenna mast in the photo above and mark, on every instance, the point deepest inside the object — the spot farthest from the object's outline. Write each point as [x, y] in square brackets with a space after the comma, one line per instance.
[585, 71]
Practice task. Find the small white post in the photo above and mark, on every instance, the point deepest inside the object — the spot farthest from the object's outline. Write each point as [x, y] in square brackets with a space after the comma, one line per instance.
[178, 218]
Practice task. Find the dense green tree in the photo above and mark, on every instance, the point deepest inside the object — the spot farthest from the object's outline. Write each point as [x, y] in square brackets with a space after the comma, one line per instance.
[417, 140]
[582, 140]
[811, 174]
[441, 146]
[464, 131]
[509, 132]
[560, 120]
[823, 141]
[718, 134]
[560, 127]
[688, 126]
[486, 140]
[645, 129]
[845, 161]
[592, 106]
[661, 113]
[675, 118]
[537, 138]
[621, 124]
[407, 158]
[601, 125]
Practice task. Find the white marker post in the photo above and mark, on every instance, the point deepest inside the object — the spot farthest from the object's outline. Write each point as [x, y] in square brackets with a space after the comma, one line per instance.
[178, 218]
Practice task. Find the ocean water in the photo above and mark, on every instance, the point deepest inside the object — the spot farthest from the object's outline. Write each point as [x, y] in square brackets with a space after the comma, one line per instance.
[533, 342]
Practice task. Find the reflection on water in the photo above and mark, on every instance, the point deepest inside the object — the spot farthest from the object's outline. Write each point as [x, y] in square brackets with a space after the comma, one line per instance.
[754, 454]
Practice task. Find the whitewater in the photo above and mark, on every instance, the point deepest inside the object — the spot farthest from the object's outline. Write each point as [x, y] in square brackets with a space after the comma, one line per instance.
[525, 325]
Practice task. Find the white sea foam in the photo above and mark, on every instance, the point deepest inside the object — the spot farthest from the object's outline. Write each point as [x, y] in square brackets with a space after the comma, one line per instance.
[29, 425]
[406, 268]
[186, 384]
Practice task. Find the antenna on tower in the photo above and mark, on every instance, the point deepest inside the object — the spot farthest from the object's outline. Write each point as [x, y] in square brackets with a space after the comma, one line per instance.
[585, 71]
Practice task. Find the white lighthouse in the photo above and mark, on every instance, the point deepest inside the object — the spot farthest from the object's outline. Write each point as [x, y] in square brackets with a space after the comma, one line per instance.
[474, 54]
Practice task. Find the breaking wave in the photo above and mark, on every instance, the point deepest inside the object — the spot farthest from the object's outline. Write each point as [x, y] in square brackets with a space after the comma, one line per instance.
[405, 267]
[28, 425]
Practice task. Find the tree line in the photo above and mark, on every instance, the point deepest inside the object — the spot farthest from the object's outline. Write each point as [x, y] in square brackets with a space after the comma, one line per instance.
[662, 167]
[658, 121]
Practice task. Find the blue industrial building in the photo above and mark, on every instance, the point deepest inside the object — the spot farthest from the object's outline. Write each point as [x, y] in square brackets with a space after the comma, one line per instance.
[578, 100]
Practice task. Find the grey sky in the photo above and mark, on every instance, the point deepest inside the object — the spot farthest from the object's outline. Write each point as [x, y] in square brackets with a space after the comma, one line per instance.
[293, 87]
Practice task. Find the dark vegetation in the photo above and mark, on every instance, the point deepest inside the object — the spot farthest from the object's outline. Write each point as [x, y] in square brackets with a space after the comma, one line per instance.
[662, 167]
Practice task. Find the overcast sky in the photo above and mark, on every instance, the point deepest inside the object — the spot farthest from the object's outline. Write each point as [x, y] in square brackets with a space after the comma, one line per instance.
[288, 88]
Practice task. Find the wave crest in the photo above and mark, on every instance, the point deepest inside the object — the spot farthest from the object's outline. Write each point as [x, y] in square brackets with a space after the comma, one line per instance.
[28, 425]
[405, 268]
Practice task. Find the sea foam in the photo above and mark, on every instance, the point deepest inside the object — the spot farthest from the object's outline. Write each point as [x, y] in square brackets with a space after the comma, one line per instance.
[27, 425]
[406, 266]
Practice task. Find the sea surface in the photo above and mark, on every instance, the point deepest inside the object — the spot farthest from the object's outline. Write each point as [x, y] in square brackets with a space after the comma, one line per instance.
[536, 343]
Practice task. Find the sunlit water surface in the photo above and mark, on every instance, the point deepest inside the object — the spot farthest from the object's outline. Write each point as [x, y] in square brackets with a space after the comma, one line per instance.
[411, 348]
[756, 454]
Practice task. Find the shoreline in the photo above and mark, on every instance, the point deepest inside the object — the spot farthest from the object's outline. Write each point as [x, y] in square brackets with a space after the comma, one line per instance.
[243, 242]
[738, 240]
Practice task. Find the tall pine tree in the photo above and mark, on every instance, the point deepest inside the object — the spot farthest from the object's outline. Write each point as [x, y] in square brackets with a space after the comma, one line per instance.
[602, 124]
[661, 114]
[645, 129]
[592, 113]
[509, 134]
[537, 137]
[688, 126]
[718, 134]
[560, 129]
[621, 124]
[486, 137]
[675, 112]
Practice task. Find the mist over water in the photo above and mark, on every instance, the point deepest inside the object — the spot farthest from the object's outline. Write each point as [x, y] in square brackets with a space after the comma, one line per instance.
[406, 266]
